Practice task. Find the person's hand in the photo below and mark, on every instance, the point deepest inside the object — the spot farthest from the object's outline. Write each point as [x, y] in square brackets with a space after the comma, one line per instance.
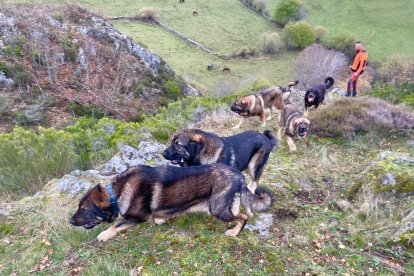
[355, 74]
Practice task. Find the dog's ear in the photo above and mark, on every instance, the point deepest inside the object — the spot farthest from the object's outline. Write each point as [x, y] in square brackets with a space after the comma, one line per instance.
[182, 140]
[306, 121]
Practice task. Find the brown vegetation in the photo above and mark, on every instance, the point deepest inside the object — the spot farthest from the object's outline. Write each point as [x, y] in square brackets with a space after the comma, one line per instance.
[365, 115]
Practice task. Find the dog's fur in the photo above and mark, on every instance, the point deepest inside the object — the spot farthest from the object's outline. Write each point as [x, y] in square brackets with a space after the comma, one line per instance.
[294, 123]
[150, 193]
[244, 151]
[314, 96]
[256, 104]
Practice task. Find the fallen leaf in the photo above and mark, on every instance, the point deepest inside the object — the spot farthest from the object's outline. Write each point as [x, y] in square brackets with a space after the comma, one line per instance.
[261, 261]
[341, 246]
[46, 242]
[50, 251]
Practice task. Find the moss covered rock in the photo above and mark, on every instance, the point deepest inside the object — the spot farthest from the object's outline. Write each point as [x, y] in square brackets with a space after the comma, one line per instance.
[392, 173]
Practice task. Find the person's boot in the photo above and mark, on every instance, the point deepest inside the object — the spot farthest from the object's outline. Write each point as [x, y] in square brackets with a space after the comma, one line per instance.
[354, 94]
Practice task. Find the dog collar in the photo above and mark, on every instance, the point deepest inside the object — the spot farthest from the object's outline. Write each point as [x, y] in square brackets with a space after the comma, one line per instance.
[112, 199]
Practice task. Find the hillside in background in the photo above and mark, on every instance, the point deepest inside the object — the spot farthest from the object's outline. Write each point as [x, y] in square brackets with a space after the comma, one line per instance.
[65, 61]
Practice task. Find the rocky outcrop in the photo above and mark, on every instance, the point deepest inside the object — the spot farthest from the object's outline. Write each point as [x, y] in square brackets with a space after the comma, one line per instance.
[389, 175]
[76, 182]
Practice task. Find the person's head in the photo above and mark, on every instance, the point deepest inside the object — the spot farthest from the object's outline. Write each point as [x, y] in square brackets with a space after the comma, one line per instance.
[359, 45]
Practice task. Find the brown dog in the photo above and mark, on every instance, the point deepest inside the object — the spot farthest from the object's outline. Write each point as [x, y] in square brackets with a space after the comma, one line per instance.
[294, 123]
[256, 104]
[159, 193]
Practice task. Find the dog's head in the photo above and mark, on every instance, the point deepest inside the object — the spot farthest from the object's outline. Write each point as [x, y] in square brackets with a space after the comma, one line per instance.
[184, 147]
[94, 208]
[240, 105]
[301, 126]
[311, 95]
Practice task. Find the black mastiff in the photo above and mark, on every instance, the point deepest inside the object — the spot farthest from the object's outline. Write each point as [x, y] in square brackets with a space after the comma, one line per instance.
[244, 151]
[316, 95]
[160, 193]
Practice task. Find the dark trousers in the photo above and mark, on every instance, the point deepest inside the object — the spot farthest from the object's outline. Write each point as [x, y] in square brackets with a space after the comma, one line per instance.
[352, 85]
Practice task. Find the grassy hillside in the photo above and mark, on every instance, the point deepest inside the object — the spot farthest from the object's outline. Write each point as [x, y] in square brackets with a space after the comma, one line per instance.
[225, 27]
[391, 21]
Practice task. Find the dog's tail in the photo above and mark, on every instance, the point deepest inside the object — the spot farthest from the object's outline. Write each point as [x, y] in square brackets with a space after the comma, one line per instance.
[261, 201]
[329, 81]
[273, 141]
[291, 84]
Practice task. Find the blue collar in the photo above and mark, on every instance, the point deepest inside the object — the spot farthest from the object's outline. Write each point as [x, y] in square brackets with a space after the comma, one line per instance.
[112, 199]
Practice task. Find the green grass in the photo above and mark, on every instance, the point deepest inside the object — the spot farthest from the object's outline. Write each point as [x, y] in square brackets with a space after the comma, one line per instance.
[196, 244]
[392, 22]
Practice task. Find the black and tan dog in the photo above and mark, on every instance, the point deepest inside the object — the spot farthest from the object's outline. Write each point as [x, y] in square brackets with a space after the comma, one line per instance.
[257, 104]
[315, 95]
[294, 123]
[244, 151]
[149, 193]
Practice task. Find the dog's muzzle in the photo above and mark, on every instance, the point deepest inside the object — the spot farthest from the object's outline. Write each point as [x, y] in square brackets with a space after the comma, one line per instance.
[236, 108]
[302, 130]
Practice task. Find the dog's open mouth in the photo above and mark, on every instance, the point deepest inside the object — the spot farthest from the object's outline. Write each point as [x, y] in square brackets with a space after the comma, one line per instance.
[303, 134]
[179, 162]
[91, 224]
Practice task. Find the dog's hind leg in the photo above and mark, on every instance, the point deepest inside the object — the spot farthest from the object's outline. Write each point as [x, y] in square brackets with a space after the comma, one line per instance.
[240, 221]
[263, 118]
[242, 119]
[115, 228]
[279, 133]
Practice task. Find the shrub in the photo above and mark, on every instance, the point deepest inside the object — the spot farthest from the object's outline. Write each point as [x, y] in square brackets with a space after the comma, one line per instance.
[287, 11]
[5, 69]
[315, 63]
[271, 43]
[344, 42]
[320, 32]
[86, 110]
[147, 13]
[171, 90]
[298, 35]
[259, 5]
[364, 115]
[400, 93]
[397, 70]
[6, 104]
[70, 49]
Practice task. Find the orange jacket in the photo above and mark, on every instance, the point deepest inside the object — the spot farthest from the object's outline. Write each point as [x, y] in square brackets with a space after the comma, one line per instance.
[360, 61]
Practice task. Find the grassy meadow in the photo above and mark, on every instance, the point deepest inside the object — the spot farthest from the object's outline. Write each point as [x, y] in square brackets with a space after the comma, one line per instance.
[390, 21]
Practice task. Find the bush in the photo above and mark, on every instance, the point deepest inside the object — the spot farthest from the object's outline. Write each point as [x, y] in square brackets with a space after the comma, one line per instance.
[320, 32]
[315, 63]
[298, 35]
[147, 13]
[171, 90]
[70, 49]
[364, 115]
[271, 43]
[6, 104]
[287, 11]
[344, 42]
[397, 70]
[396, 94]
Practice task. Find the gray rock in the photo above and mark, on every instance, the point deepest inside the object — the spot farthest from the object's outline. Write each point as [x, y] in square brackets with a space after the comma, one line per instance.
[384, 154]
[262, 224]
[68, 184]
[148, 153]
[411, 143]
[191, 91]
[388, 179]
[4, 81]
[4, 212]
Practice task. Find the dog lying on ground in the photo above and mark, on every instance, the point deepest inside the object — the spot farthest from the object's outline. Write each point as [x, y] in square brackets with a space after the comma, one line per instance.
[294, 123]
[247, 150]
[149, 193]
[315, 95]
[256, 104]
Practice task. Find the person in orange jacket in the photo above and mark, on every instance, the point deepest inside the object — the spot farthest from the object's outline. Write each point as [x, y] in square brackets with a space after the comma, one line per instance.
[357, 68]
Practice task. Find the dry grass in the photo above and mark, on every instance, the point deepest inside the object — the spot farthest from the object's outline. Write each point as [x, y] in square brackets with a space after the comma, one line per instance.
[364, 115]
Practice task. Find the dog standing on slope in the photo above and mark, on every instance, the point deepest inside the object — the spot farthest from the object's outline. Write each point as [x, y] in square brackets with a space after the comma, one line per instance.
[316, 95]
[159, 193]
[294, 123]
[256, 104]
[248, 150]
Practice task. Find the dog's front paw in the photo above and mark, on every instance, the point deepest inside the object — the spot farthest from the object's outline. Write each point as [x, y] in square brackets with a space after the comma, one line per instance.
[292, 150]
[159, 221]
[105, 235]
[231, 233]
[236, 127]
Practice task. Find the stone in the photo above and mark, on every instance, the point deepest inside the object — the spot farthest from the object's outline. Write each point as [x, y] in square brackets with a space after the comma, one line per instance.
[147, 153]
[5, 81]
[262, 224]
[4, 212]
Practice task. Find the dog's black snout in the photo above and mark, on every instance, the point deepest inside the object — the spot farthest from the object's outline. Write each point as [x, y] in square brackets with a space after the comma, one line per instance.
[72, 221]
